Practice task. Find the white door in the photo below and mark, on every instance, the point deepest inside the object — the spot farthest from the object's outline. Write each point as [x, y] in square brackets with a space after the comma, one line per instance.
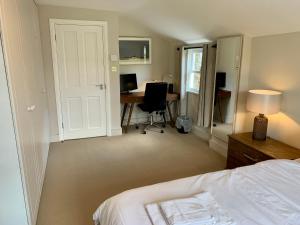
[81, 73]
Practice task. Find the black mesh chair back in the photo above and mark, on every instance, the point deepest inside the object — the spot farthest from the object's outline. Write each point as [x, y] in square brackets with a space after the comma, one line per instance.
[155, 97]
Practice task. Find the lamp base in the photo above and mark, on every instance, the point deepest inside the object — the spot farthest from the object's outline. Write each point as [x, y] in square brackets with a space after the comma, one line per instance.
[260, 127]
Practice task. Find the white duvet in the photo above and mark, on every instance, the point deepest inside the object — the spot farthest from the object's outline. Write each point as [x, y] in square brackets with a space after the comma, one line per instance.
[267, 193]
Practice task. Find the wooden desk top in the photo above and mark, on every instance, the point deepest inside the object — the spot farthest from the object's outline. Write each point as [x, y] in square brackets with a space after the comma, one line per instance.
[223, 93]
[270, 147]
[138, 97]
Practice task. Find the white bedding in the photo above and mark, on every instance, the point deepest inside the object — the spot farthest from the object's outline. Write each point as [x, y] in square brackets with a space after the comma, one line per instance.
[267, 193]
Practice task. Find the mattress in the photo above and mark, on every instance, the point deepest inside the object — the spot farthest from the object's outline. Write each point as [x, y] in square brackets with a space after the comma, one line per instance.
[267, 193]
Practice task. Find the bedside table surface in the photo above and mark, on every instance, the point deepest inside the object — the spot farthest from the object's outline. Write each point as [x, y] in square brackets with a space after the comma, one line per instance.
[270, 147]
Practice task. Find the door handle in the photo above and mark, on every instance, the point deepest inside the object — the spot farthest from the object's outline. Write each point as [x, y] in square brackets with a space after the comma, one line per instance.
[101, 86]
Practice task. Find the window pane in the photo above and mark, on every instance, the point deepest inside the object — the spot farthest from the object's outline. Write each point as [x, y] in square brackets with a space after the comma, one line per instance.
[194, 63]
[194, 81]
[197, 61]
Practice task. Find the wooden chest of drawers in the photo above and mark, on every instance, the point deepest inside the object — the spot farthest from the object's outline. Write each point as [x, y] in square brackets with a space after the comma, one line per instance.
[244, 151]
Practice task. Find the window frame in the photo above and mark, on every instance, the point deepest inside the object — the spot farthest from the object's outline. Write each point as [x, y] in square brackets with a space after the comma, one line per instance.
[190, 69]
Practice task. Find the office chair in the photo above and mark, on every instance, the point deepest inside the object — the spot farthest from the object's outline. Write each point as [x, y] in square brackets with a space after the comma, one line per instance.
[155, 100]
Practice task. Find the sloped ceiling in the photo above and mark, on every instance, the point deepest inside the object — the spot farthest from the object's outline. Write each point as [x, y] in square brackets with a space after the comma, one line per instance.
[194, 20]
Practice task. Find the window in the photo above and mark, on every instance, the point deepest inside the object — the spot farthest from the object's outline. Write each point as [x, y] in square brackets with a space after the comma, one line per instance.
[194, 63]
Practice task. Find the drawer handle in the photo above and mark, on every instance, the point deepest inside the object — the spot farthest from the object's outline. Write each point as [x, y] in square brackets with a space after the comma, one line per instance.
[250, 158]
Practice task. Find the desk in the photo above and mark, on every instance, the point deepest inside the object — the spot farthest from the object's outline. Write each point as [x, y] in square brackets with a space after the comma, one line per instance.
[138, 98]
[222, 94]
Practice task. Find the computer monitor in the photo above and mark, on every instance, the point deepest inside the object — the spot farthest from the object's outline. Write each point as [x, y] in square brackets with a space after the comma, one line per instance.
[220, 80]
[128, 82]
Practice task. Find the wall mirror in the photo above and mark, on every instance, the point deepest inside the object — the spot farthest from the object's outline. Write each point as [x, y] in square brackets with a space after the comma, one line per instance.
[227, 75]
[134, 50]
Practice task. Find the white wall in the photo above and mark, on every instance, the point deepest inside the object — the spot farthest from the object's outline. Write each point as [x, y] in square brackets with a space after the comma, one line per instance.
[164, 55]
[24, 66]
[275, 65]
[160, 51]
[12, 205]
[47, 12]
[164, 58]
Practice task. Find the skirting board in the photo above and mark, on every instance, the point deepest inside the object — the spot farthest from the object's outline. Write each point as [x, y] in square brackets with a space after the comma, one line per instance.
[202, 133]
[219, 146]
[114, 132]
[54, 138]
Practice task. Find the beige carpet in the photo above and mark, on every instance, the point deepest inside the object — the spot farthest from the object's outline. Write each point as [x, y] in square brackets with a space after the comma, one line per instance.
[83, 173]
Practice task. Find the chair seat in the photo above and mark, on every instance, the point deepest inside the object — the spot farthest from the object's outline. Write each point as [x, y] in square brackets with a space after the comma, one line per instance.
[154, 101]
[145, 108]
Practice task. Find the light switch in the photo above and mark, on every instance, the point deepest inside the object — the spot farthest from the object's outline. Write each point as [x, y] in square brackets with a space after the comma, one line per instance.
[114, 69]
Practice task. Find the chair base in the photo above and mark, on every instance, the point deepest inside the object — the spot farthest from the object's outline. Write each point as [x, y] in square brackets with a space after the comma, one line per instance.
[151, 124]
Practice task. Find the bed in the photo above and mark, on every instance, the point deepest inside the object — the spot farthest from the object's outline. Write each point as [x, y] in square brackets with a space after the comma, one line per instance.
[267, 193]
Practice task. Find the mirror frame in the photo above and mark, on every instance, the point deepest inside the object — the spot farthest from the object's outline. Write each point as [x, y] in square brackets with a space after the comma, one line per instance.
[238, 83]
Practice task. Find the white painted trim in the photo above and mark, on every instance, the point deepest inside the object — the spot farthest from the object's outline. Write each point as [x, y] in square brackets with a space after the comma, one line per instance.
[134, 39]
[107, 80]
[77, 22]
[237, 87]
[54, 138]
[213, 93]
[183, 94]
[56, 79]
[116, 132]
[146, 62]
[103, 24]
[218, 146]
[201, 132]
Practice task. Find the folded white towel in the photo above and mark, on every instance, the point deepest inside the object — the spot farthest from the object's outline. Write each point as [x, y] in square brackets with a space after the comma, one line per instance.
[155, 214]
[201, 209]
[196, 209]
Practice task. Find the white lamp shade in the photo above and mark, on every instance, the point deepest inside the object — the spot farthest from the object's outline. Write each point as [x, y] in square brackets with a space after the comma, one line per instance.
[264, 101]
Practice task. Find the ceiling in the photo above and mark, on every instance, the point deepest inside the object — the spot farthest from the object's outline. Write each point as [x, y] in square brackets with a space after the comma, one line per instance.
[195, 20]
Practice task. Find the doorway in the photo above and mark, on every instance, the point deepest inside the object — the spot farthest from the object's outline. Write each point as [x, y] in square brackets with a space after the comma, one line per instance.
[80, 61]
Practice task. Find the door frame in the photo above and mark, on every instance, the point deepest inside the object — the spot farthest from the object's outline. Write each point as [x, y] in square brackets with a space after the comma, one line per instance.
[58, 99]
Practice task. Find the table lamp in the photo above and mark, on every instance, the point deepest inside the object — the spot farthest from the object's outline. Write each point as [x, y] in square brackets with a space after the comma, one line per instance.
[262, 102]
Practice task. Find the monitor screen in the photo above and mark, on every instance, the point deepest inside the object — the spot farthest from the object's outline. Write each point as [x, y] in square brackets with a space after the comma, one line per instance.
[128, 82]
[220, 80]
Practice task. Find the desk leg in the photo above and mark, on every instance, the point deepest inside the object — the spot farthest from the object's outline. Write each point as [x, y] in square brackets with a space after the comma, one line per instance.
[129, 117]
[220, 110]
[124, 113]
[170, 114]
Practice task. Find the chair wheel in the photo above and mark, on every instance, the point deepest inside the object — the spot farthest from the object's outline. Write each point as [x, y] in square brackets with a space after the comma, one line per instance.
[137, 127]
[143, 132]
[162, 131]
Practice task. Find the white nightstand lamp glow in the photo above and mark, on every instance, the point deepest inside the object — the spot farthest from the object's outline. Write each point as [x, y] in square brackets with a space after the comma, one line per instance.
[262, 102]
